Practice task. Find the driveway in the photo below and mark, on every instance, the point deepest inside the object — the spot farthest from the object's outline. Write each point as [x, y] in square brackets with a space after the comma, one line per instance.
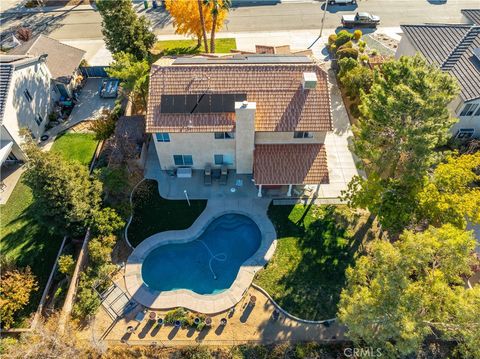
[90, 105]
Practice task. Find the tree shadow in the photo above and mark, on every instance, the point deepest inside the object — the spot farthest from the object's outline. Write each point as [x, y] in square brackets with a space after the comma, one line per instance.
[173, 332]
[311, 290]
[146, 329]
[246, 313]
[219, 329]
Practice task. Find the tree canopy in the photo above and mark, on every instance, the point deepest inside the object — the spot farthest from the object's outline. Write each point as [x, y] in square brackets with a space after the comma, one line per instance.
[402, 292]
[187, 20]
[404, 117]
[450, 194]
[15, 289]
[65, 194]
[134, 75]
[123, 30]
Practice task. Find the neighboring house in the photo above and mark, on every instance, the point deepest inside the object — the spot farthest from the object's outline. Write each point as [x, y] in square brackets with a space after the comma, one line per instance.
[265, 115]
[63, 61]
[456, 50]
[275, 50]
[24, 101]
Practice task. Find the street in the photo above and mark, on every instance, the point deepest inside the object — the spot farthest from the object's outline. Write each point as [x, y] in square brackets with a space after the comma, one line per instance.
[80, 23]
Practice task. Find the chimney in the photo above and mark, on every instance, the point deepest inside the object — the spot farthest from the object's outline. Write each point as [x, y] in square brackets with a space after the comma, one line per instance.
[309, 81]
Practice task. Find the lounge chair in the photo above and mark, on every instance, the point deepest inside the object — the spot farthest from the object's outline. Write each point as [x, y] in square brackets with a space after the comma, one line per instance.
[224, 175]
[208, 175]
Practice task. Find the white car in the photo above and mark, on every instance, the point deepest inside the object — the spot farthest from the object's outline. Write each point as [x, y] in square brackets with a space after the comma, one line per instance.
[342, 2]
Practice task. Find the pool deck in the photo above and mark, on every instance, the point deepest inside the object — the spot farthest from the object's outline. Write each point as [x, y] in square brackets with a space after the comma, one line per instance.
[256, 209]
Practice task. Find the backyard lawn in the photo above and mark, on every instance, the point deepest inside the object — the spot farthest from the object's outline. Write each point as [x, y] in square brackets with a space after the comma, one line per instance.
[76, 146]
[25, 242]
[315, 246]
[177, 47]
[153, 214]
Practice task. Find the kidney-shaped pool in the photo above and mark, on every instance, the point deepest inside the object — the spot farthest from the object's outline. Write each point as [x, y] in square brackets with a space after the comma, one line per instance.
[208, 264]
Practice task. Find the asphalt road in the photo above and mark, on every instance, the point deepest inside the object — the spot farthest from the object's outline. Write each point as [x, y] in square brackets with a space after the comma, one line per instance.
[287, 16]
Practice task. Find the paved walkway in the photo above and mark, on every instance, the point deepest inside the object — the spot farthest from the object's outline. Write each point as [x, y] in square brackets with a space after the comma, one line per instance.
[255, 208]
[246, 324]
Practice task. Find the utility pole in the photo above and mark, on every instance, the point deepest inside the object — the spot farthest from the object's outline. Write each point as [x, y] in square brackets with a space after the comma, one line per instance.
[323, 22]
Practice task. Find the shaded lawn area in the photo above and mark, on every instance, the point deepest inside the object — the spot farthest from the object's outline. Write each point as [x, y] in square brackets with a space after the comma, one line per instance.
[183, 47]
[25, 242]
[153, 214]
[76, 146]
[315, 246]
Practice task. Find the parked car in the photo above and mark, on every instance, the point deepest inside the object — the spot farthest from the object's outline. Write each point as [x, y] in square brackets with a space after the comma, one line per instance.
[342, 2]
[360, 19]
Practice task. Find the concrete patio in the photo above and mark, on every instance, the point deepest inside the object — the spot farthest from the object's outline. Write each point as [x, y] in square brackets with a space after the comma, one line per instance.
[9, 176]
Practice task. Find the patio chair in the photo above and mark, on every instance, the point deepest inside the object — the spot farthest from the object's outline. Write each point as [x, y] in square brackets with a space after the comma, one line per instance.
[224, 175]
[208, 175]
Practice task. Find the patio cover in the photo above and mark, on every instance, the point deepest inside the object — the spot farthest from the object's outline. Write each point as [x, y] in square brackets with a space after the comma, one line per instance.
[5, 148]
[282, 164]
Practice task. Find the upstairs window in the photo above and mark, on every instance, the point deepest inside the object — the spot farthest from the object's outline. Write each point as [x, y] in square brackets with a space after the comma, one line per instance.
[162, 137]
[469, 109]
[27, 95]
[183, 160]
[224, 135]
[302, 134]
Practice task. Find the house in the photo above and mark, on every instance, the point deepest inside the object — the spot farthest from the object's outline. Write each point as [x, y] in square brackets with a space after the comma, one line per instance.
[63, 62]
[24, 101]
[275, 50]
[471, 16]
[454, 48]
[260, 115]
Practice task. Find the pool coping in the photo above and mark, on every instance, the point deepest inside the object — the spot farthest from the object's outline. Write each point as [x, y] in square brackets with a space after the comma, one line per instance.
[254, 209]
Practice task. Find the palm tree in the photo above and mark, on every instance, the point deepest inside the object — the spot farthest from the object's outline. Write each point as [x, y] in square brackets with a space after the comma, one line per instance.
[217, 6]
[202, 21]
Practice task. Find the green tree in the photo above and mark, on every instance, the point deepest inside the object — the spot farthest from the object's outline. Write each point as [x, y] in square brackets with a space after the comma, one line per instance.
[403, 118]
[104, 126]
[15, 289]
[398, 293]
[87, 301]
[358, 79]
[134, 75]
[64, 192]
[450, 194]
[123, 30]
[217, 7]
[106, 221]
[66, 264]
[100, 250]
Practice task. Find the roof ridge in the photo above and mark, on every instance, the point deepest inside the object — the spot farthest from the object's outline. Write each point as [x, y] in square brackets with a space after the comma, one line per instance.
[462, 46]
[62, 43]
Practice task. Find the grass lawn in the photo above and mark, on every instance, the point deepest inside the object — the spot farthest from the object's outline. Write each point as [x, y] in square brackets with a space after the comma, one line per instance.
[315, 246]
[25, 242]
[76, 146]
[153, 214]
[178, 47]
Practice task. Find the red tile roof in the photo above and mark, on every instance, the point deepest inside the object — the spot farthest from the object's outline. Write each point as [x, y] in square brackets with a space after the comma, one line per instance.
[281, 102]
[290, 164]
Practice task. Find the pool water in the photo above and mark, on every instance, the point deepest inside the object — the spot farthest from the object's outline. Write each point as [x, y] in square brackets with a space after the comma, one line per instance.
[207, 265]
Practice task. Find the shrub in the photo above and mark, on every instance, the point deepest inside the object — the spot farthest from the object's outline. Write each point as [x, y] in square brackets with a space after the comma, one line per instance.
[87, 301]
[342, 38]
[364, 58]
[357, 34]
[177, 314]
[66, 264]
[350, 53]
[374, 52]
[104, 126]
[346, 64]
[106, 221]
[362, 43]
[333, 48]
[347, 45]
[100, 250]
[331, 39]
[358, 79]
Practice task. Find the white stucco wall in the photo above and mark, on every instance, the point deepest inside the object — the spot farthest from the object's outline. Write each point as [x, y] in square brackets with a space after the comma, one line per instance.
[405, 48]
[202, 147]
[19, 112]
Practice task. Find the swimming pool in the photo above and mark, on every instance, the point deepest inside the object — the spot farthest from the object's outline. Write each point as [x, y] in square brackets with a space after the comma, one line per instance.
[208, 264]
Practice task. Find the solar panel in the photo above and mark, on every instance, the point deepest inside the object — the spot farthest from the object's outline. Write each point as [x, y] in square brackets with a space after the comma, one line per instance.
[202, 103]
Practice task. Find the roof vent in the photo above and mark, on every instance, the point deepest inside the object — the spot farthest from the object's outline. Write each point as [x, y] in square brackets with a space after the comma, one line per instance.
[309, 80]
